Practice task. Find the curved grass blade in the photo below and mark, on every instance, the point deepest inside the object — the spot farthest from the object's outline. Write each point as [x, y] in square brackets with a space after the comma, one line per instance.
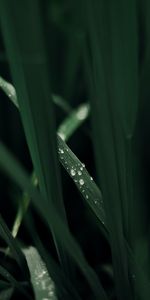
[73, 121]
[64, 287]
[69, 125]
[42, 283]
[65, 130]
[69, 160]
[60, 102]
[82, 179]
[14, 170]
[95, 193]
[10, 91]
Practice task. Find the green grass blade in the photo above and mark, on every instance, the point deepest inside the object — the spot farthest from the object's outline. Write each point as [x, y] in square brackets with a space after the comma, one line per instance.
[4, 284]
[107, 138]
[67, 158]
[81, 178]
[17, 285]
[14, 247]
[10, 91]
[65, 288]
[73, 121]
[42, 283]
[124, 30]
[28, 61]
[6, 294]
[95, 201]
[14, 170]
[65, 130]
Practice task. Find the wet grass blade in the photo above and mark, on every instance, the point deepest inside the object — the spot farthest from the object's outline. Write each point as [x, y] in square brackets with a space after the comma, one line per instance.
[14, 170]
[93, 198]
[42, 283]
[84, 182]
[64, 287]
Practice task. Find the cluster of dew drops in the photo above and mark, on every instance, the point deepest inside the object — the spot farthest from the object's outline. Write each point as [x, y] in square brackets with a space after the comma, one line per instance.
[76, 173]
[45, 283]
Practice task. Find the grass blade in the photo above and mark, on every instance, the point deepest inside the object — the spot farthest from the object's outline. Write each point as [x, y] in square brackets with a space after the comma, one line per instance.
[6, 294]
[108, 139]
[28, 61]
[15, 249]
[42, 283]
[93, 197]
[17, 285]
[10, 91]
[73, 121]
[64, 287]
[17, 174]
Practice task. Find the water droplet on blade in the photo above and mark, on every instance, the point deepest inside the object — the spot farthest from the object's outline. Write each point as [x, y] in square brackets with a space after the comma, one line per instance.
[81, 181]
[79, 173]
[73, 172]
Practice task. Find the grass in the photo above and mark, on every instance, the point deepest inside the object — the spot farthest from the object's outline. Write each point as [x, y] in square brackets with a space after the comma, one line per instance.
[102, 44]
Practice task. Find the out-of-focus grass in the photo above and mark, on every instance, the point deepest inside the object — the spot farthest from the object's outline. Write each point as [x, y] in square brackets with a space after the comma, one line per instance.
[109, 34]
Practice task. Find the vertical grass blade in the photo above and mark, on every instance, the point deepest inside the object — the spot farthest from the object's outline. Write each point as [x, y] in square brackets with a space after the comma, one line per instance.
[23, 33]
[108, 138]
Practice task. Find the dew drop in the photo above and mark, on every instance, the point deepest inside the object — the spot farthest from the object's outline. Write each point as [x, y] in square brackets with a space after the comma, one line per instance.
[87, 197]
[79, 173]
[81, 181]
[73, 172]
[91, 178]
[81, 168]
[61, 150]
[50, 293]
